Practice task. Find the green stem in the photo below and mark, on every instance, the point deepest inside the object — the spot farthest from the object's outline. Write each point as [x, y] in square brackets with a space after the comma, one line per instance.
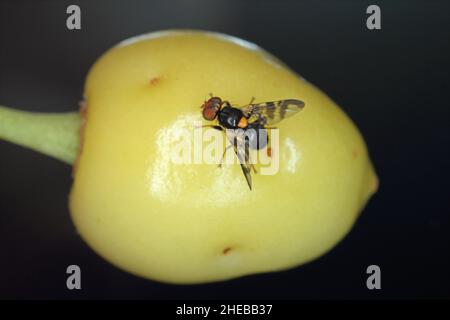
[53, 134]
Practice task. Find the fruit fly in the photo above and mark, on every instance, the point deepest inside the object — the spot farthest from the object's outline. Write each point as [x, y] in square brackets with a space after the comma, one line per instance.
[256, 116]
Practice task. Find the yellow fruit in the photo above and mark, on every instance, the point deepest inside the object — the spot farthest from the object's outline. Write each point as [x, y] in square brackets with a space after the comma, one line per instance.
[194, 223]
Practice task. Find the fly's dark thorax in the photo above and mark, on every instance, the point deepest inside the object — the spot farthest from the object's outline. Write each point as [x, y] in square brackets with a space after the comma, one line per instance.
[229, 117]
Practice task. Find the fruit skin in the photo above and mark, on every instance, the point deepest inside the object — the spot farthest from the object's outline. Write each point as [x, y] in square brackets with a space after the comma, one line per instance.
[196, 223]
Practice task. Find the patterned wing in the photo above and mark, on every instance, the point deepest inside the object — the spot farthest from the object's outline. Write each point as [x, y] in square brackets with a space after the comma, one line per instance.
[270, 113]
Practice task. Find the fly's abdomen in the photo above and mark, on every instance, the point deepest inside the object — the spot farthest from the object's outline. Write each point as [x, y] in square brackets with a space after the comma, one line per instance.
[256, 137]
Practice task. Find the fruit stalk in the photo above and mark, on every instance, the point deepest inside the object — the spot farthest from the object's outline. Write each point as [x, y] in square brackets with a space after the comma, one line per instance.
[53, 134]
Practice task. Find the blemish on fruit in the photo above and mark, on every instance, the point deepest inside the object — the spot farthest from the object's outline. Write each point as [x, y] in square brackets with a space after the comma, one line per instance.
[355, 154]
[226, 250]
[153, 81]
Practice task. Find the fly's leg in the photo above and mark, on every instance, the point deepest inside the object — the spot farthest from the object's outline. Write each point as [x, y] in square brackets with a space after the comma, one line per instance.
[223, 155]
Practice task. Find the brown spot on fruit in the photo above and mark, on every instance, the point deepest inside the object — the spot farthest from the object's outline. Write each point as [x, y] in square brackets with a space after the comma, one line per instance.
[355, 154]
[154, 81]
[226, 250]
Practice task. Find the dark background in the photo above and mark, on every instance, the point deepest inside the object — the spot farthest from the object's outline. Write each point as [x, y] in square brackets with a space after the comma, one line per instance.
[392, 82]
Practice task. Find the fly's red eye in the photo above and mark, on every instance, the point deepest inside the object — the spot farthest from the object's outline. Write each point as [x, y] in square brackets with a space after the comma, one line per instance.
[215, 100]
[209, 112]
[211, 107]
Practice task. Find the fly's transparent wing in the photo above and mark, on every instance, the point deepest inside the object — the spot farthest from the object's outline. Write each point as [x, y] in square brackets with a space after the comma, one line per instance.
[241, 149]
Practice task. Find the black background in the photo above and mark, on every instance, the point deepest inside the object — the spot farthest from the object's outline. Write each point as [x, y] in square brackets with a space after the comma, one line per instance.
[392, 82]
